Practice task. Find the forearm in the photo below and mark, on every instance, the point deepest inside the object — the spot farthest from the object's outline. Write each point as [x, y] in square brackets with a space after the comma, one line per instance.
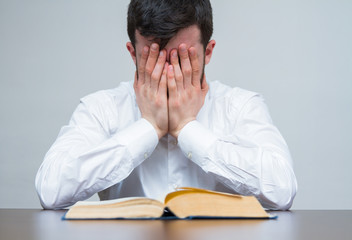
[74, 169]
[246, 167]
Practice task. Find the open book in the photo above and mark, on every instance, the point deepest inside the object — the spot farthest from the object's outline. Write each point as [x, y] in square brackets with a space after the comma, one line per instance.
[186, 203]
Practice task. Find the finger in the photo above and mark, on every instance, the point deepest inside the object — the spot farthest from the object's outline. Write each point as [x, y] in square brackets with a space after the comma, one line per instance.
[135, 83]
[141, 65]
[171, 82]
[158, 71]
[151, 61]
[162, 90]
[185, 65]
[205, 86]
[177, 70]
[196, 69]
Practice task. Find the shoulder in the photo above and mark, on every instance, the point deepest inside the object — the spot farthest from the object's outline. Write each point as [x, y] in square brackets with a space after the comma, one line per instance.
[109, 96]
[105, 106]
[231, 107]
[234, 98]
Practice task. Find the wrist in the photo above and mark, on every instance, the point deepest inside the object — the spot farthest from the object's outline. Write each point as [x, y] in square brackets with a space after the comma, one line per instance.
[158, 130]
[176, 131]
[160, 133]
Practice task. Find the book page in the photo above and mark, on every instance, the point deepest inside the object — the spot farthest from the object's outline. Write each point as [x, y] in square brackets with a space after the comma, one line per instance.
[105, 202]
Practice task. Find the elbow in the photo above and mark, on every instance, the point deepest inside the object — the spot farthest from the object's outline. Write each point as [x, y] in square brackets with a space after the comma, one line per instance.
[280, 197]
[49, 195]
[51, 201]
[278, 184]
[48, 202]
[48, 205]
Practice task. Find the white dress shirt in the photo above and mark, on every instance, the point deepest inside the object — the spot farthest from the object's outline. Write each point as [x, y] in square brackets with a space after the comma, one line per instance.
[107, 148]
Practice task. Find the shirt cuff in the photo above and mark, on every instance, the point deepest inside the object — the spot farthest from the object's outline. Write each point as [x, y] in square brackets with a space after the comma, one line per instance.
[194, 140]
[141, 139]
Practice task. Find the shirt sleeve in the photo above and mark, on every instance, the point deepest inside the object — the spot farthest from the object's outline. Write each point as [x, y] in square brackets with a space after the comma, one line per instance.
[86, 159]
[254, 161]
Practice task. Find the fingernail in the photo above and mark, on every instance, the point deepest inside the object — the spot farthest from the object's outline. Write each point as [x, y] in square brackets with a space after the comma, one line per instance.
[154, 46]
[145, 49]
[183, 48]
[192, 51]
[161, 53]
[174, 53]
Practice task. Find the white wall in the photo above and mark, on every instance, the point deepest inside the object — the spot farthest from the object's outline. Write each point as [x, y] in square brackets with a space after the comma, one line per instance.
[298, 54]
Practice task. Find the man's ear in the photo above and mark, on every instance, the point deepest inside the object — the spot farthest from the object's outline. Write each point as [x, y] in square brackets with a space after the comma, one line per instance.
[132, 51]
[209, 51]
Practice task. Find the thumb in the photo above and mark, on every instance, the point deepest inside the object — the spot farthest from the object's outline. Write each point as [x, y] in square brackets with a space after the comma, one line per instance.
[135, 80]
[205, 87]
[204, 84]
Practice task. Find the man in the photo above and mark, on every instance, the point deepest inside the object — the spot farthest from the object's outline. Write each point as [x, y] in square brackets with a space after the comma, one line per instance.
[169, 128]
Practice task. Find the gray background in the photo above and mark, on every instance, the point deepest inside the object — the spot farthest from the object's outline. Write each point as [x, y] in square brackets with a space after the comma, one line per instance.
[298, 54]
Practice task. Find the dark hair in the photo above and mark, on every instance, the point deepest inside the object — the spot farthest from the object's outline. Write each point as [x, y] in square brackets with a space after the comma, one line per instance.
[162, 19]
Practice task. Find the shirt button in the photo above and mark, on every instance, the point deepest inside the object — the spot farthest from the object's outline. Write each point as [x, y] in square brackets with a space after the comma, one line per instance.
[189, 155]
[145, 155]
[175, 142]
